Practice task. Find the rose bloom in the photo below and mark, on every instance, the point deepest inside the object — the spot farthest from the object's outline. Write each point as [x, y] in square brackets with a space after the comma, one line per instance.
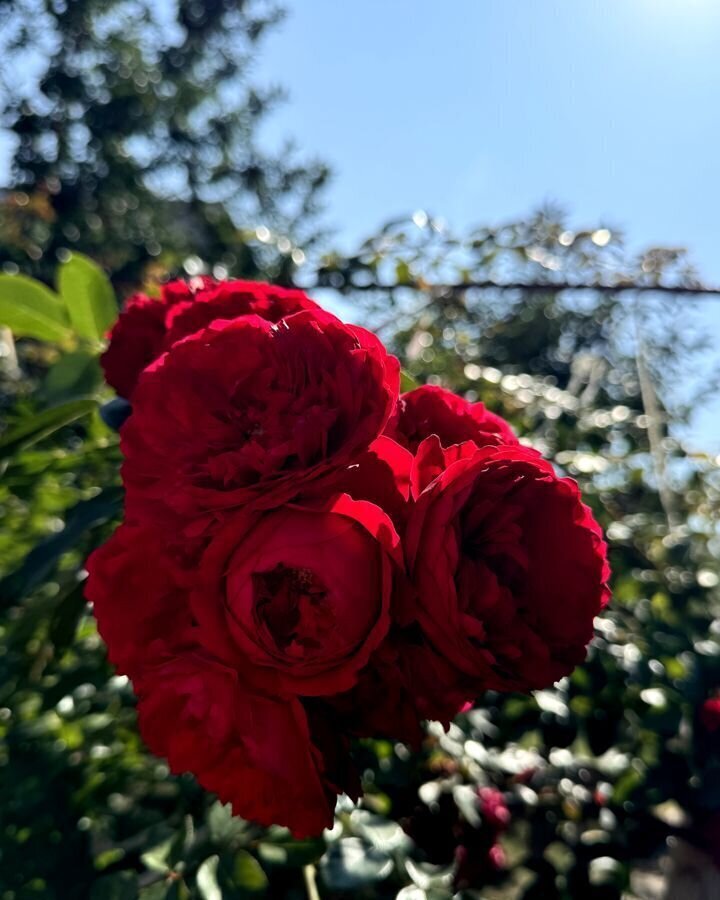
[431, 410]
[299, 597]
[148, 326]
[232, 657]
[246, 410]
[264, 755]
[508, 565]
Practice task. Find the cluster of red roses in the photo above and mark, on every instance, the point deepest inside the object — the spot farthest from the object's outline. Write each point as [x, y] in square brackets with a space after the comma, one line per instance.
[307, 556]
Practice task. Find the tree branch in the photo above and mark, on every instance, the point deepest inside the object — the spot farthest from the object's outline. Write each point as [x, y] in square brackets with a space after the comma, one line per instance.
[531, 287]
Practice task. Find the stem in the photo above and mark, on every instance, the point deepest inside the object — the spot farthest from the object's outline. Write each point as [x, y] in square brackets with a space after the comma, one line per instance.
[310, 883]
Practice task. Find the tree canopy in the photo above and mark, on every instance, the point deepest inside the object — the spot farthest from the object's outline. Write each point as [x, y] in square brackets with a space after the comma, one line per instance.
[136, 137]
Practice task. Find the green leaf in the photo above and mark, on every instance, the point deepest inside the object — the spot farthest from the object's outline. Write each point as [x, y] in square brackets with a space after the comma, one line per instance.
[42, 424]
[88, 295]
[30, 309]
[351, 863]
[76, 374]
[43, 558]
[407, 382]
[207, 879]
[245, 873]
[158, 858]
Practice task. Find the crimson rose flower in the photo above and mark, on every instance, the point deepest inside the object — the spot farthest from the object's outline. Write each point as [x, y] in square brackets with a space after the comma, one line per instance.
[298, 598]
[257, 752]
[509, 566]
[148, 326]
[135, 341]
[225, 656]
[248, 410]
[431, 410]
[136, 586]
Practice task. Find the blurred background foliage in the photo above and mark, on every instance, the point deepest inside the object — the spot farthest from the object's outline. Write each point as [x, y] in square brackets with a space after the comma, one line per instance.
[136, 146]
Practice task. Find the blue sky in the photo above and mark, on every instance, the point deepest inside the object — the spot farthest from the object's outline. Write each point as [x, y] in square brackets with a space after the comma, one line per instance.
[479, 110]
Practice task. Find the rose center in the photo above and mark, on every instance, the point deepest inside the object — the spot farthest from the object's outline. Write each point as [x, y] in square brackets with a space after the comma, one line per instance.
[291, 606]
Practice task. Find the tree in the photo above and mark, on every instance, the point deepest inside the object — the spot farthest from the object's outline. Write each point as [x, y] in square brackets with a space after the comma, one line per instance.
[135, 130]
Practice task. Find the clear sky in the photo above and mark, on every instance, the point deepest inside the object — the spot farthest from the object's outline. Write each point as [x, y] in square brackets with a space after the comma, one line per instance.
[479, 110]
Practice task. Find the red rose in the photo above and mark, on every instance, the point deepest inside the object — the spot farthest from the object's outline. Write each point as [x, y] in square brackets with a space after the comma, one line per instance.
[382, 476]
[256, 752]
[246, 409]
[299, 598]
[230, 299]
[431, 410]
[135, 341]
[509, 567]
[226, 655]
[137, 590]
[148, 326]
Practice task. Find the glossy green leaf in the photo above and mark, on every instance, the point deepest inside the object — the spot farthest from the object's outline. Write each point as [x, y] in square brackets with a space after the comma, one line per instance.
[88, 295]
[30, 309]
